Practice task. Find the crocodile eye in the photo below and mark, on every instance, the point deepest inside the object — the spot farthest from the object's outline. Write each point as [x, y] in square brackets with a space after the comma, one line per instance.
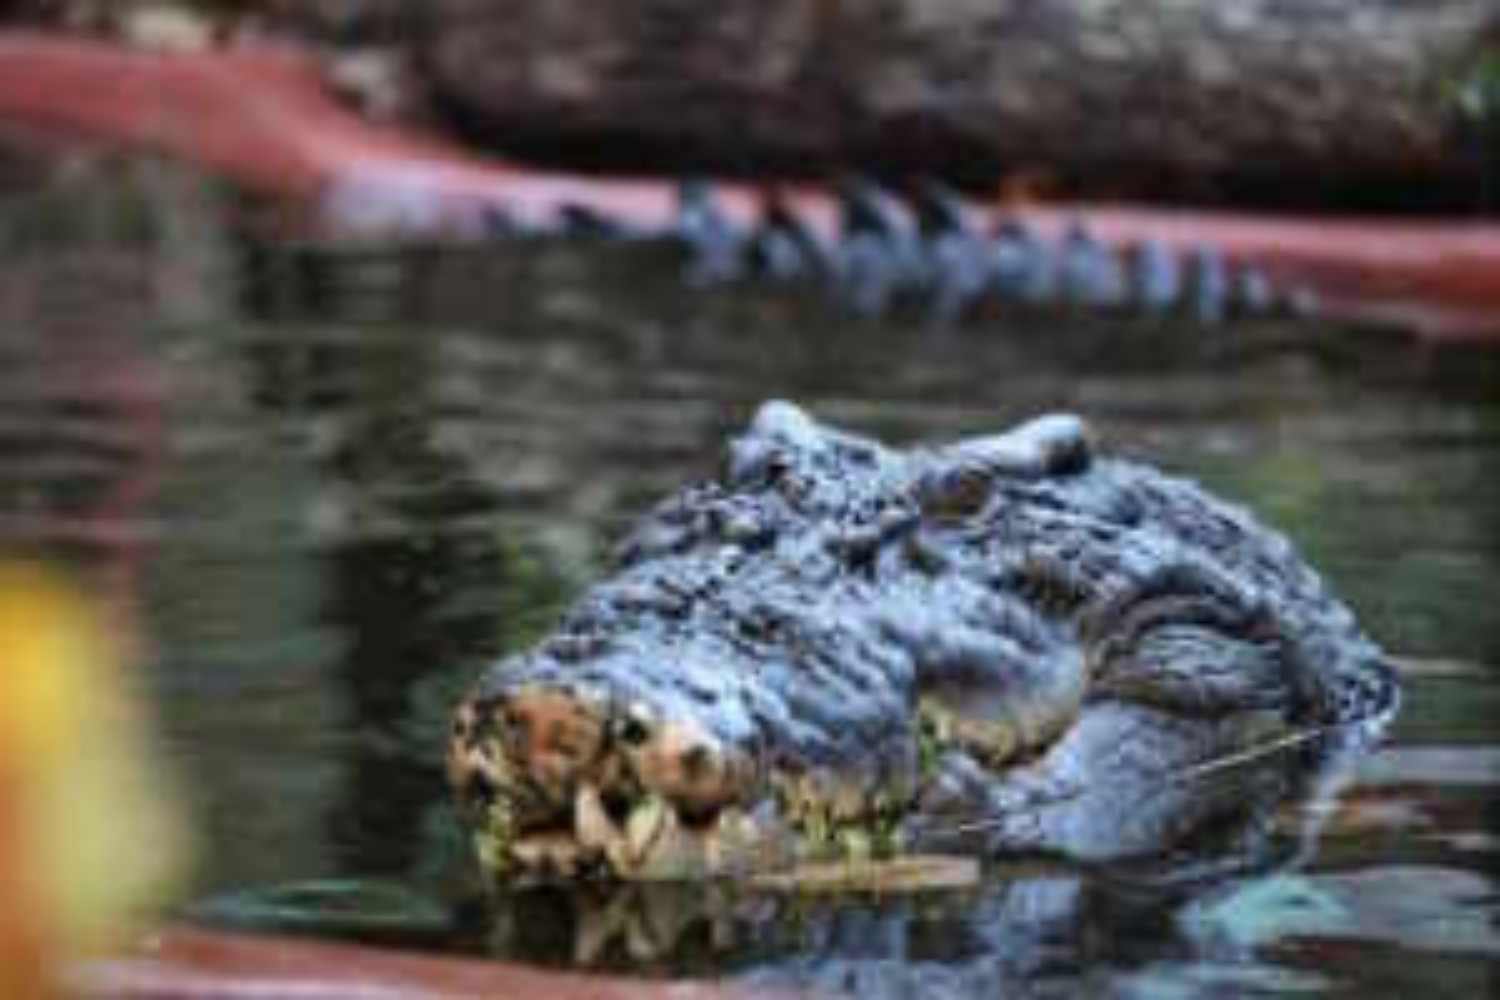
[954, 494]
[754, 463]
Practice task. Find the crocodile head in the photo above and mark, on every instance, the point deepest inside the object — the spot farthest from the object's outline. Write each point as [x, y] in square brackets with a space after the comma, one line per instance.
[799, 657]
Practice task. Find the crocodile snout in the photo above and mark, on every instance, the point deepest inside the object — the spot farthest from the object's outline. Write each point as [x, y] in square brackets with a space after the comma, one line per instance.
[563, 779]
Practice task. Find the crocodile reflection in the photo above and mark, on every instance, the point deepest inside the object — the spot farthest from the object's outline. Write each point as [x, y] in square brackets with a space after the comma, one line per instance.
[1007, 644]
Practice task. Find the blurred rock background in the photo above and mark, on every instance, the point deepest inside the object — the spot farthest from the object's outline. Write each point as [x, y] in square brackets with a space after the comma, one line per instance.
[1264, 102]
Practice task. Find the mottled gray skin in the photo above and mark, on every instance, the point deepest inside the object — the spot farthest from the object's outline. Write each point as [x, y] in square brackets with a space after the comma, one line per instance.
[930, 253]
[1010, 642]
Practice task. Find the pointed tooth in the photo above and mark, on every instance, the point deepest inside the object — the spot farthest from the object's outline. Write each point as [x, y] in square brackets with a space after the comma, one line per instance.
[847, 801]
[855, 845]
[645, 825]
[532, 851]
[594, 828]
[675, 853]
[730, 843]
[731, 820]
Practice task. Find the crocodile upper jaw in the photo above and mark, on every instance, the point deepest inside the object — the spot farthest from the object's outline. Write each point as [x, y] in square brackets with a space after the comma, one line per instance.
[563, 780]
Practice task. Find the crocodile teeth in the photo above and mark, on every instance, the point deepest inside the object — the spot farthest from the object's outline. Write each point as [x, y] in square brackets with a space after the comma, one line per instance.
[554, 852]
[645, 841]
[739, 840]
[595, 830]
[653, 842]
[647, 834]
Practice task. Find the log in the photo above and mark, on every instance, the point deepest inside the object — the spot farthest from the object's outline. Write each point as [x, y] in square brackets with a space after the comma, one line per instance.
[1308, 105]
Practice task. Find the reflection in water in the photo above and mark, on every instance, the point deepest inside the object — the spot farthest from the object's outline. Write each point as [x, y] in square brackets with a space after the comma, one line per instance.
[80, 431]
[415, 601]
[1029, 928]
[415, 576]
[354, 479]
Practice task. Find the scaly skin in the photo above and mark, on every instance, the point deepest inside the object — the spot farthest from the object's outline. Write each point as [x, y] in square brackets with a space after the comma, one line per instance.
[932, 251]
[1008, 643]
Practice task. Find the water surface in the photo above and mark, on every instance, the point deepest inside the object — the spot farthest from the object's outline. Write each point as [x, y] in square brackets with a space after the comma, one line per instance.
[378, 475]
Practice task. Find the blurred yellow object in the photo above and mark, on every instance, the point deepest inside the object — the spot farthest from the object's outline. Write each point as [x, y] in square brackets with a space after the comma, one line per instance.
[89, 834]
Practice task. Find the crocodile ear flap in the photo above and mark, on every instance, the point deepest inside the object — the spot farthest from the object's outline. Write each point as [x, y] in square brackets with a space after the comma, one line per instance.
[781, 419]
[957, 482]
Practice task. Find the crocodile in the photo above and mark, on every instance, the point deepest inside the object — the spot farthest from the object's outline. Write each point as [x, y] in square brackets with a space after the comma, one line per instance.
[1015, 642]
[935, 252]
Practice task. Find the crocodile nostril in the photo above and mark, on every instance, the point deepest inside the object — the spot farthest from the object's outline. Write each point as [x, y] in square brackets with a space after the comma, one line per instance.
[634, 732]
[479, 788]
[695, 762]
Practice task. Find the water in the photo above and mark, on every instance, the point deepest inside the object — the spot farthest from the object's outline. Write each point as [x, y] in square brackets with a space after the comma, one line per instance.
[376, 475]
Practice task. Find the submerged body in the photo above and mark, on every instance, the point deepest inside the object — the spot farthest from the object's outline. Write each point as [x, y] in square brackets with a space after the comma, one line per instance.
[1009, 643]
[929, 252]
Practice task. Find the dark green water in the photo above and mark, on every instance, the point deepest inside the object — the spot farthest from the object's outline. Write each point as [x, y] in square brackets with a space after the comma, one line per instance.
[372, 489]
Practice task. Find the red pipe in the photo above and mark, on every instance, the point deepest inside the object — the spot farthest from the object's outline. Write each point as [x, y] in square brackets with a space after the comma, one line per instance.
[261, 116]
[184, 962]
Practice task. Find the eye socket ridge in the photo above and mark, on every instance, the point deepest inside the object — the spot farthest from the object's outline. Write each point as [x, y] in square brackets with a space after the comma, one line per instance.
[756, 463]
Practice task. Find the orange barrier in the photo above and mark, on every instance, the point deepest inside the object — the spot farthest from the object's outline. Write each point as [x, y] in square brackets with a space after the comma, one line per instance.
[1442, 278]
[182, 962]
